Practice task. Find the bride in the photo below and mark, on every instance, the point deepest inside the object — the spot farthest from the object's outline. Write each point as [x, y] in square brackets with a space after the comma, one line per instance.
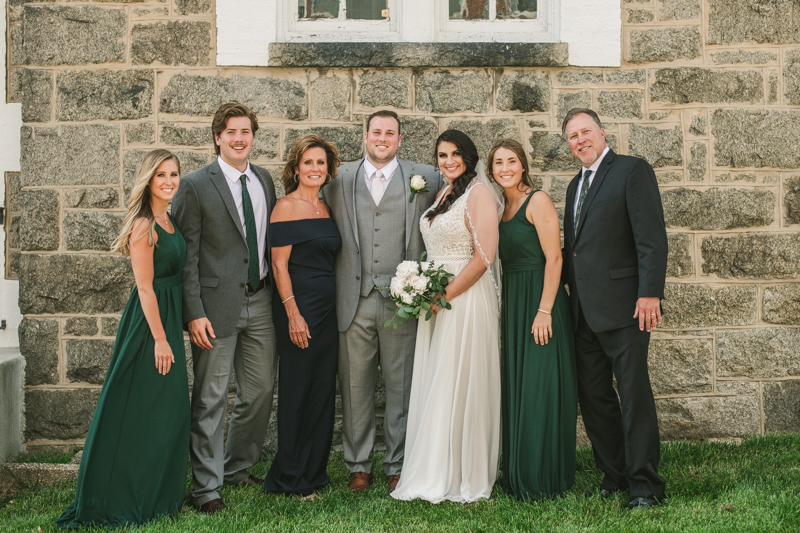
[453, 436]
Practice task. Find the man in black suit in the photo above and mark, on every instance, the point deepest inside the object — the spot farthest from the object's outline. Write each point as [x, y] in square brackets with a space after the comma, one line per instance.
[615, 262]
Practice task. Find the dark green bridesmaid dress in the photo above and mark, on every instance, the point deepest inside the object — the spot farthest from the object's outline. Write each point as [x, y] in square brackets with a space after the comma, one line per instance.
[135, 458]
[540, 391]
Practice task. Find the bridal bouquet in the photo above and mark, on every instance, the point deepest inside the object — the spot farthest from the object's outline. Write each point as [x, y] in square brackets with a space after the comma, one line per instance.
[415, 287]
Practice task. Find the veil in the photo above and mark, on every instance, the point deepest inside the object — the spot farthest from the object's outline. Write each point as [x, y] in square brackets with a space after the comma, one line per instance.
[483, 218]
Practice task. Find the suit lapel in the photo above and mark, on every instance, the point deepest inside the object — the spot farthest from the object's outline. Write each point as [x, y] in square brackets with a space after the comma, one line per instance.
[221, 183]
[602, 171]
[349, 191]
[411, 207]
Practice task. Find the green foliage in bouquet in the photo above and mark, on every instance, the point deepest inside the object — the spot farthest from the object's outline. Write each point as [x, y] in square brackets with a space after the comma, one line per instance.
[416, 287]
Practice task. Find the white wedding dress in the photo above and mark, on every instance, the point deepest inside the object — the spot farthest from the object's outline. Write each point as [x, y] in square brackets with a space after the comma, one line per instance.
[453, 435]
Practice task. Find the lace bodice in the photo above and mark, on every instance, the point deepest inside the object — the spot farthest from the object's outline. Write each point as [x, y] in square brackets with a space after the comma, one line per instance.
[448, 239]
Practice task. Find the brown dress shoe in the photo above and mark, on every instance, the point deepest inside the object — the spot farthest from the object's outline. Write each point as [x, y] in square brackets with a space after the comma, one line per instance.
[360, 481]
[250, 480]
[213, 507]
[391, 481]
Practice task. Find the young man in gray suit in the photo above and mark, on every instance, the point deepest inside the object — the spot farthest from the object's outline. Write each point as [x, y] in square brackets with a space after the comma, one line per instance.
[615, 262]
[223, 212]
[378, 220]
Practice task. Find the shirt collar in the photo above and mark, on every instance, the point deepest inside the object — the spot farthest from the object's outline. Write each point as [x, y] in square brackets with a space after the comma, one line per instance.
[388, 170]
[233, 174]
[596, 164]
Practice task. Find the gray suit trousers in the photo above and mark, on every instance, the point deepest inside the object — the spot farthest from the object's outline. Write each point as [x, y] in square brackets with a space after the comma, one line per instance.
[364, 346]
[251, 353]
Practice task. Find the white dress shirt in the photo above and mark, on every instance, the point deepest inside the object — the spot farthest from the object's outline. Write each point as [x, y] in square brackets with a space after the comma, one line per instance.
[259, 200]
[387, 171]
[593, 168]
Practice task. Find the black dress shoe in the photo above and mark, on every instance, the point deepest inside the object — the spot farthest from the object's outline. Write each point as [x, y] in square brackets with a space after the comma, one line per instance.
[641, 503]
[607, 493]
[250, 480]
[212, 507]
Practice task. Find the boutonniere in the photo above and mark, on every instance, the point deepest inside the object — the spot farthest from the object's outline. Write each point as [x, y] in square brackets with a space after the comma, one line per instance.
[418, 185]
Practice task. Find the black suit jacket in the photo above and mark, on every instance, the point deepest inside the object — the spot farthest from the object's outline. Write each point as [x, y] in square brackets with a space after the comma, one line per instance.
[619, 252]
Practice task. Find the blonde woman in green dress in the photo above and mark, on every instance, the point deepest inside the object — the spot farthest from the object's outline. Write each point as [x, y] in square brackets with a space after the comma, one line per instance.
[540, 399]
[135, 458]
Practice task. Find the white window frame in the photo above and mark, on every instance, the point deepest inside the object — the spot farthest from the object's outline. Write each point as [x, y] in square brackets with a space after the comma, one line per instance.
[593, 30]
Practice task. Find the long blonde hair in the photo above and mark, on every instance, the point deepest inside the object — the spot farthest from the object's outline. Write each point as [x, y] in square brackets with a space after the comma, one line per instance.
[139, 202]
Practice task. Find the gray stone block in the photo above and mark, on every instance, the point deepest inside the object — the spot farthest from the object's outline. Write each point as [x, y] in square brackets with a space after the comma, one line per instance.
[726, 177]
[81, 326]
[16, 37]
[87, 360]
[484, 134]
[698, 165]
[744, 21]
[661, 45]
[791, 200]
[660, 147]
[38, 344]
[626, 77]
[679, 10]
[524, 91]
[12, 369]
[109, 326]
[38, 227]
[18, 476]
[63, 35]
[754, 255]
[12, 235]
[708, 417]
[191, 161]
[579, 77]
[91, 230]
[202, 95]
[703, 85]
[774, 84]
[558, 188]
[266, 142]
[782, 407]
[620, 104]
[379, 88]
[718, 209]
[758, 353]
[36, 94]
[13, 190]
[443, 91]
[192, 7]
[105, 198]
[570, 100]
[550, 152]
[679, 259]
[419, 137]
[758, 57]
[331, 97]
[61, 414]
[348, 139]
[698, 125]
[791, 76]
[104, 94]
[174, 134]
[74, 283]
[700, 306]
[143, 133]
[176, 42]
[56, 156]
[755, 138]
[394, 55]
[680, 366]
[640, 16]
[782, 304]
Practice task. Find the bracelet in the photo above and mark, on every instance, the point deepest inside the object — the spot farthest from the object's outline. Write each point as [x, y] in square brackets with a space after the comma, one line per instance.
[543, 311]
[287, 299]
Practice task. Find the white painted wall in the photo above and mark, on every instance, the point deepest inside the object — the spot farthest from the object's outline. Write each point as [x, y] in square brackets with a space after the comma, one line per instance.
[592, 29]
[10, 123]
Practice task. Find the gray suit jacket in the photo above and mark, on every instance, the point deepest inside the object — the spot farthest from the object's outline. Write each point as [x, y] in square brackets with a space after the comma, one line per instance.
[340, 196]
[215, 271]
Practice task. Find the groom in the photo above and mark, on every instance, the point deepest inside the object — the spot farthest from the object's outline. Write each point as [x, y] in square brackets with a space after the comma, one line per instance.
[379, 224]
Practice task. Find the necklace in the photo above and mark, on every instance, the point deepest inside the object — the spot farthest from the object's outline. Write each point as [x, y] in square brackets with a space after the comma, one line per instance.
[165, 220]
[316, 209]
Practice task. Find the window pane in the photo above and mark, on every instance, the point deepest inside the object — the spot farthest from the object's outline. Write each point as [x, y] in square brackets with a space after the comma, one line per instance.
[366, 9]
[516, 9]
[318, 9]
[469, 9]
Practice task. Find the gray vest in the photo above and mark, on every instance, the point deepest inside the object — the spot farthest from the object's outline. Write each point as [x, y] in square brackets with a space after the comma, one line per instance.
[381, 232]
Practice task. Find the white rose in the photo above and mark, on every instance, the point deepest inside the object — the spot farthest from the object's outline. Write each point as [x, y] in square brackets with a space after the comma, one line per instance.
[420, 283]
[407, 269]
[396, 287]
[407, 298]
[418, 182]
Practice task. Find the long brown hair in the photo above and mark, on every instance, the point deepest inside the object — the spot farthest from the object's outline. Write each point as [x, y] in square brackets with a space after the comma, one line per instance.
[469, 154]
[516, 147]
[296, 152]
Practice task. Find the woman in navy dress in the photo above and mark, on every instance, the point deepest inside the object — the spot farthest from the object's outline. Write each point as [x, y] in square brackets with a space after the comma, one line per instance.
[304, 243]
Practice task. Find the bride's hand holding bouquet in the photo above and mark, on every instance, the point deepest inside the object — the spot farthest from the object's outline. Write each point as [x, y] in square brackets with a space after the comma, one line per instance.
[418, 287]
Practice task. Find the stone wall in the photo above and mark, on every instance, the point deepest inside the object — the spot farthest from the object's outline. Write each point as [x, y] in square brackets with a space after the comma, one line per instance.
[709, 94]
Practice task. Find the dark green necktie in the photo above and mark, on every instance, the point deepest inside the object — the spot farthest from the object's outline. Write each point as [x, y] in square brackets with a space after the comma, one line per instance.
[254, 270]
[581, 198]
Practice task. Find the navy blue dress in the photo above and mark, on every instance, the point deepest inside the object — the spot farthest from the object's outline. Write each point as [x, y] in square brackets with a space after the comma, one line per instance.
[306, 377]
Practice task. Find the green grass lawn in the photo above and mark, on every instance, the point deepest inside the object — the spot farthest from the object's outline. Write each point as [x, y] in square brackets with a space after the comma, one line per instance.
[751, 486]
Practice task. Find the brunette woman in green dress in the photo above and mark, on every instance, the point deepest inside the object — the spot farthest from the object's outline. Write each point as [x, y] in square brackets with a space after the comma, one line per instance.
[540, 399]
[135, 458]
